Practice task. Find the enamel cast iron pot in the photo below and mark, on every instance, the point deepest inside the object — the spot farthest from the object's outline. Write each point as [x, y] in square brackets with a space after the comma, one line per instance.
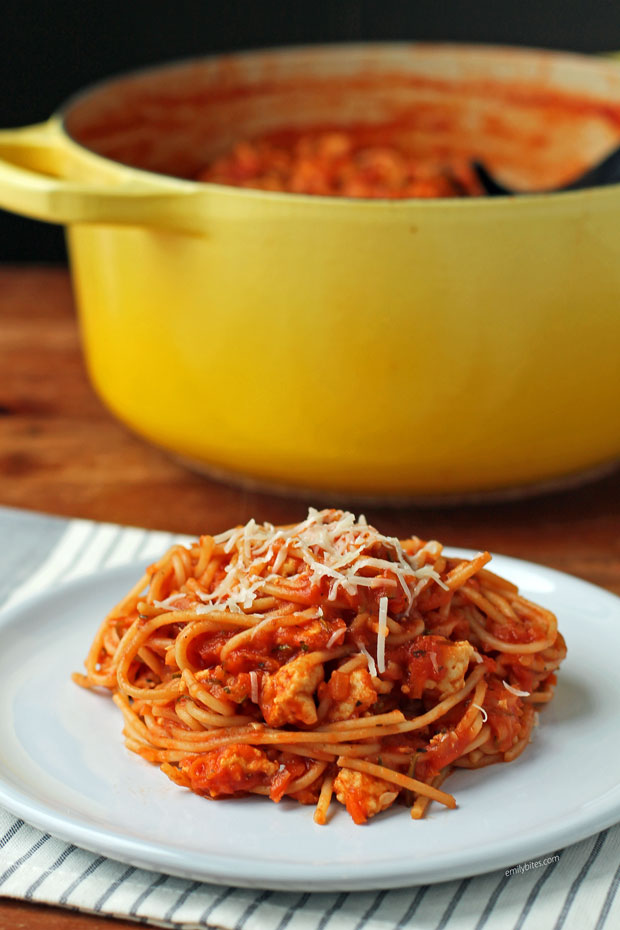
[373, 348]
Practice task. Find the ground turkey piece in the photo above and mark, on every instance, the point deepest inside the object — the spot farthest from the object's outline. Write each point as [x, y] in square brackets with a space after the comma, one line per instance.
[456, 660]
[361, 696]
[287, 695]
[313, 635]
[436, 665]
[363, 795]
[232, 769]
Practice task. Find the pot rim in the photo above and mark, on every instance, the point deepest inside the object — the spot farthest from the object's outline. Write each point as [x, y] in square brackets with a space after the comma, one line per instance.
[524, 200]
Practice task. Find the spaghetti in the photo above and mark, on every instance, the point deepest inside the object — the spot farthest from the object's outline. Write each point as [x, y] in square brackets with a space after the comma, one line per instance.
[324, 660]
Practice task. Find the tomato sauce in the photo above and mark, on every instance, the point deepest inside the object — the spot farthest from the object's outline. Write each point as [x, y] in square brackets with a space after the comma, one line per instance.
[229, 770]
[340, 163]
[426, 660]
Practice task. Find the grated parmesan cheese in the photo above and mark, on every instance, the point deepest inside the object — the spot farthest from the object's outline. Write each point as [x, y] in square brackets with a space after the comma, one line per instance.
[333, 547]
[336, 635]
[254, 687]
[169, 602]
[382, 633]
[372, 668]
[515, 690]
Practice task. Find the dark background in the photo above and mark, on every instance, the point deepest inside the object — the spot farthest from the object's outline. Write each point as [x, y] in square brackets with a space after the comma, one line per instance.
[50, 49]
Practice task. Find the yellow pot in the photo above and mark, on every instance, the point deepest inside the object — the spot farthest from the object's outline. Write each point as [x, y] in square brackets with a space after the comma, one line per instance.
[374, 348]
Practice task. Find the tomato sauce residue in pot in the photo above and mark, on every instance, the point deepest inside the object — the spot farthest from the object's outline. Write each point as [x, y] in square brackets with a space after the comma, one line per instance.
[384, 131]
[341, 163]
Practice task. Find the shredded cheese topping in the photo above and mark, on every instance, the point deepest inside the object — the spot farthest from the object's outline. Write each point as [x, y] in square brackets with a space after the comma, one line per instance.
[336, 635]
[254, 687]
[382, 633]
[372, 668]
[331, 545]
[515, 690]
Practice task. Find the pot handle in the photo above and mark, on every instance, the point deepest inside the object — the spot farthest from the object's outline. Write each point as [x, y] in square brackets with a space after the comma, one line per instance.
[32, 157]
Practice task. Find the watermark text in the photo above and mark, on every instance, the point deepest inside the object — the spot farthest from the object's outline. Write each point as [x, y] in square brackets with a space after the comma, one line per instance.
[524, 867]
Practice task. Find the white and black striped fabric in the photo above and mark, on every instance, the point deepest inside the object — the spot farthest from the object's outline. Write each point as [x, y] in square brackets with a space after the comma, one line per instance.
[578, 891]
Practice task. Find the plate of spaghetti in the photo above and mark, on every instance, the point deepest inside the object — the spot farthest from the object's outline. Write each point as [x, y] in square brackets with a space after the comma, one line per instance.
[393, 698]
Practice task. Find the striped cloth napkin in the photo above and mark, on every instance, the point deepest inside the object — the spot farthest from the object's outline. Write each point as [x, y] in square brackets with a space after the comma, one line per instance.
[577, 888]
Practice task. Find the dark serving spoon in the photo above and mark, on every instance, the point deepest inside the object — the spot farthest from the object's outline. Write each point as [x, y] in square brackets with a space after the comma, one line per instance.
[606, 172]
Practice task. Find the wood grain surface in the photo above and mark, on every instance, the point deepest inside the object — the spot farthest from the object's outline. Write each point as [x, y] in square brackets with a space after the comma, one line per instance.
[62, 452]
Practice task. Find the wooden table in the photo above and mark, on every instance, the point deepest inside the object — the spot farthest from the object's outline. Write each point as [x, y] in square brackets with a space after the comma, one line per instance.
[61, 452]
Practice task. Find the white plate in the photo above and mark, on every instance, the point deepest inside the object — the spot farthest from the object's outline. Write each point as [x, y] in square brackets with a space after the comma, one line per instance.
[64, 768]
